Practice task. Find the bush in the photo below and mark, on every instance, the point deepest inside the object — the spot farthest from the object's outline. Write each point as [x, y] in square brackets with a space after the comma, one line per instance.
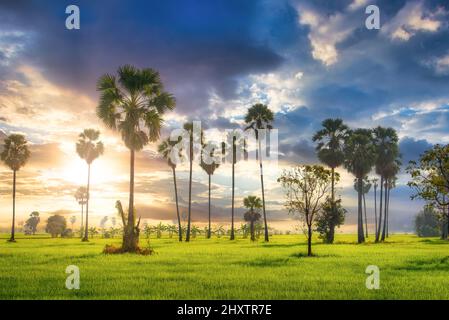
[56, 225]
[67, 233]
[427, 223]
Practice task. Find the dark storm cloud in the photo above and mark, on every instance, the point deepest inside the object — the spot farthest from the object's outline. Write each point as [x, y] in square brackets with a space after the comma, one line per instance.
[198, 46]
[411, 148]
[300, 152]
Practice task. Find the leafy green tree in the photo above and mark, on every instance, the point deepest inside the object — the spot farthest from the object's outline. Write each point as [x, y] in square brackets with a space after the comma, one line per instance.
[331, 216]
[253, 204]
[81, 198]
[427, 223]
[89, 148]
[32, 222]
[430, 178]
[331, 139]
[259, 118]
[167, 149]
[209, 165]
[15, 155]
[305, 190]
[133, 104]
[360, 158]
[56, 225]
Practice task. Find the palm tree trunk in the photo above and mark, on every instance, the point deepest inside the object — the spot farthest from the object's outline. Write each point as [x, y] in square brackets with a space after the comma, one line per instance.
[253, 237]
[385, 213]
[82, 220]
[263, 193]
[366, 220]
[208, 229]
[360, 233]
[13, 229]
[86, 230]
[388, 211]
[331, 225]
[177, 205]
[233, 185]
[131, 237]
[190, 190]
[375, 210]
[380, 209]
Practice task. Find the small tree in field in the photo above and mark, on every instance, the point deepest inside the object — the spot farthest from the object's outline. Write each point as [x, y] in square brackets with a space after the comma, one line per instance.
[56, 225]
[331, 216]
[305, 189]
[253, 204]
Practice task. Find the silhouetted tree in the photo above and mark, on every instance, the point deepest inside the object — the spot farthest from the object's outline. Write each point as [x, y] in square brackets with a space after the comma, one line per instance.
[254, 205]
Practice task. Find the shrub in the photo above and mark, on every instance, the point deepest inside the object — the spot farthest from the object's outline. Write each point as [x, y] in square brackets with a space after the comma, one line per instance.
[427, 223]
[56, 225]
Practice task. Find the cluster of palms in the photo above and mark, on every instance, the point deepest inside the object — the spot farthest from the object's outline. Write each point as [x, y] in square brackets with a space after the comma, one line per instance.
[359, 151]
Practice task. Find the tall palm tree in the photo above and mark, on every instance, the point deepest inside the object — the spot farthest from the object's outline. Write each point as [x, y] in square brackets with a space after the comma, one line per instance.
[360, 158]
[209, 165]
[390, 177]
[374, 182]
[254, 204]
[366, 187]
[331, 139]
[166, 148]
[81, 198]
[195, 142]
[387, 153]
[133, 104]
[15, 155]
[235, 143]
[89, 148]
[259, 117]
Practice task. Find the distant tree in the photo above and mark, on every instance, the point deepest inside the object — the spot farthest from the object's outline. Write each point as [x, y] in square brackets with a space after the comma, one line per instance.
[331, 139]
[15, 155]
[305, 190]
[32, 222]
[360, 158]
[331, 216]
[72, 220]
[67, 233]
[259, 118]
[93, 231]
[56, 225]
[89, 148]
[195, 231]
[81, 198]
[427, 223]
[253, 204]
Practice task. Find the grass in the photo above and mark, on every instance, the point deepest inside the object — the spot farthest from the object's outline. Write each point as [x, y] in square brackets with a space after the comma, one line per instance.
[410, 268]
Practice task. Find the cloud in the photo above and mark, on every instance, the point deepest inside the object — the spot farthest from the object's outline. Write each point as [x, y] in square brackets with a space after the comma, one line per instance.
[411, 148]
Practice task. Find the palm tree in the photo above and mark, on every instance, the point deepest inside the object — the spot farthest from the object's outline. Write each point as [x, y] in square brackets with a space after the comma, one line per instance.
[15, 155]
[360, 158]
[387, 150]
[374, 182]
[259, 117]
[366, 187]
[390, 181]
[81, 198]
[89, 149]
[133, 104]
[209, 165]
[235, 142]
[254, 204]
[330, 146]
[166, 148]
[195, 141]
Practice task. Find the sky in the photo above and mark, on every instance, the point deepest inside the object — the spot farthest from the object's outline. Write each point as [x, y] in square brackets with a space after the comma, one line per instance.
[307, 60]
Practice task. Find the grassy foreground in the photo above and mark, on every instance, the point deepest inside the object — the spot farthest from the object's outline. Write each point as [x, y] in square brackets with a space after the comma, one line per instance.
[410, 268]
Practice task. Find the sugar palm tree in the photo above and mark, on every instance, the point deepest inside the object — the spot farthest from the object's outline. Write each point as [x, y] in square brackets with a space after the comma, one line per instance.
[209, 165]
[366, 187]
[390, 173]
[89, 148]
[133, 104]
[15, 155]
[254, 204]
[166, 148]
[81, 198]
[387, 150]
[259, 118]
[331, 139]
[360, 158]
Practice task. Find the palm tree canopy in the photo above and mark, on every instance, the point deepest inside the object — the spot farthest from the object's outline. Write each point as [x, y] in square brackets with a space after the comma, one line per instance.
[331, 140]
[81, 195]
[15, 152]
[252, 202]
[387, 149]
[88, 146]
[259, 116]
[133, 103]
[360, 152]
[209, 168]
[168, 151]
[366, 185]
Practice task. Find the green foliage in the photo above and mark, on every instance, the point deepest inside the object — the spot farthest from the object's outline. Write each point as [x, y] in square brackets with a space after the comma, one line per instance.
[331, 142]
[56, 225]
[330, 216]
[427, 223]
[30, 226]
